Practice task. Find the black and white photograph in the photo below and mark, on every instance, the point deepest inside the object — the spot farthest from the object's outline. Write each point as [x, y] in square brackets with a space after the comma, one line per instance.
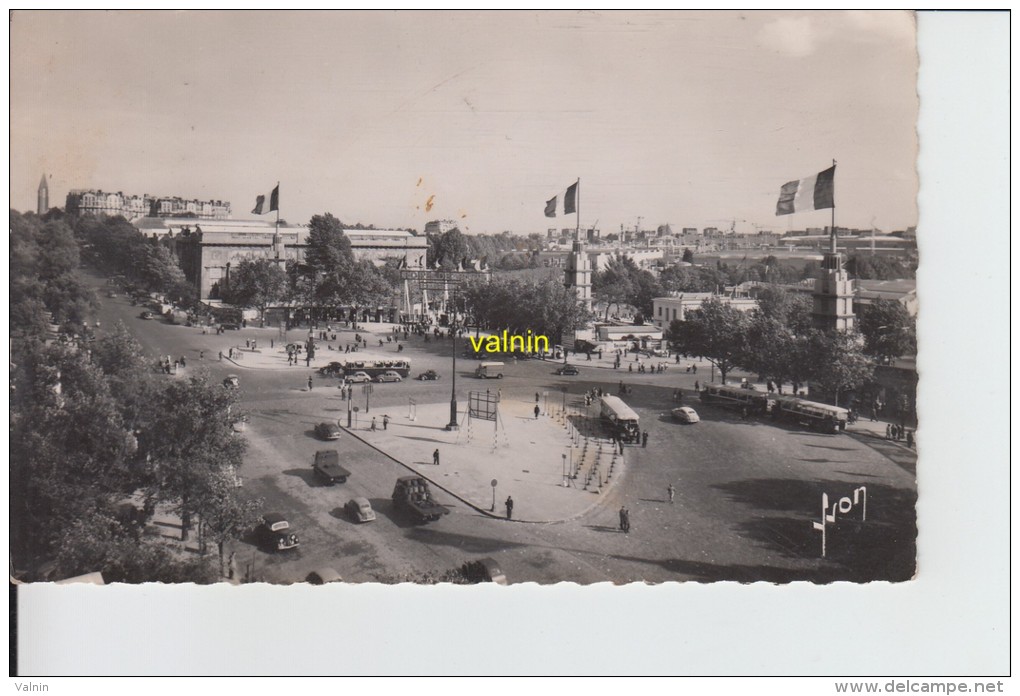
[414, 297]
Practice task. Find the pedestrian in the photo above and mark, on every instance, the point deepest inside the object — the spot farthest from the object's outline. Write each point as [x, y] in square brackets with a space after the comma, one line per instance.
[888, 431]
[671, 492]
[509, 507]
[537, 411]
[435, 457]
[373, 423]
[309, 383]
[630, 367]
[644, 439]
[221, 356]
[201, 355]
[624, 522]
[697, 386]
[272, 343]
[536, 397]
[910, 439]
[230, 353]
[183, 363]
[385, 422]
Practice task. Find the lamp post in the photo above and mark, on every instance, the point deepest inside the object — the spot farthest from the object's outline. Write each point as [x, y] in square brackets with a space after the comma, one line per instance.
[452, 425]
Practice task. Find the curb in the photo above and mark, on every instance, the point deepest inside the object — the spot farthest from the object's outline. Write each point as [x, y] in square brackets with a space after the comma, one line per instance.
[467, 502]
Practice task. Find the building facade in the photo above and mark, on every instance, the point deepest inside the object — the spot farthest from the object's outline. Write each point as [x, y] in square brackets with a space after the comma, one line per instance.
[209, 251]
[132, 207]
[667, 309]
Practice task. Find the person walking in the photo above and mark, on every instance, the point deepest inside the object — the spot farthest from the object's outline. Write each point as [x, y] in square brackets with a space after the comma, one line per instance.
[671, 492]
[435, 457]
[221, 356]
[385, 422]
[910, 439]
[309, 383]
[644, 439]
[509, 507]
[373, 423]
[537, 411]
[697, 386]
[624, 520]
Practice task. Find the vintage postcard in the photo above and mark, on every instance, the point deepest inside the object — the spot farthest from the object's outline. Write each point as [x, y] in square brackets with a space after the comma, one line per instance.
[451, 297]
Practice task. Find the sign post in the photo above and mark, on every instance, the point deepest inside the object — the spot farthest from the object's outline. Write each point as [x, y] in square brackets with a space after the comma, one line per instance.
[493, 484]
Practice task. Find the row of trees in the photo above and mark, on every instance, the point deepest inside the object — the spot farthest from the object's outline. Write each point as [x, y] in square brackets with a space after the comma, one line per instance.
[93, 426]
[777, 343]
[543, 305]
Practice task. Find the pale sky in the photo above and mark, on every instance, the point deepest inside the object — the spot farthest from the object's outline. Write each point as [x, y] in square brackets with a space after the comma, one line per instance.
[692, 119]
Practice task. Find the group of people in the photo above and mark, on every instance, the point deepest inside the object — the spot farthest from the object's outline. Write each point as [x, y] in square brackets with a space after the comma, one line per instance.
[658, 368]
[898, 433]
[169, 367]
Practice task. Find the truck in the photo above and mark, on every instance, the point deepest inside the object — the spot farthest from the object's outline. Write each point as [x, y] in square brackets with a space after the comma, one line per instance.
[327, 467]
[487, 370]
[412, 496]
[620, 419]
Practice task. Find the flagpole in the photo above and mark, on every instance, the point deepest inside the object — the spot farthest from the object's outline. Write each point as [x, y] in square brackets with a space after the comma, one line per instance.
[832, 235]
[577, 222]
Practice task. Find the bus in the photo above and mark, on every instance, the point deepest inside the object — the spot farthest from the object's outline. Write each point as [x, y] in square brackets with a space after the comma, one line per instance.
[374, 368]
[620, 417]
[817, 416]
[739, 398]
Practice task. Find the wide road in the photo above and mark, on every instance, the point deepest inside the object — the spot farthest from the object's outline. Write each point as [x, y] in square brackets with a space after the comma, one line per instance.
[747, 492]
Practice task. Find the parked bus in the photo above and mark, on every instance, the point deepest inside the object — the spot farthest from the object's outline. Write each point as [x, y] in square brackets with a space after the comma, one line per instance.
[621, 418]
[488, 370]
[739, 398]
[374, 368]
[811, 414]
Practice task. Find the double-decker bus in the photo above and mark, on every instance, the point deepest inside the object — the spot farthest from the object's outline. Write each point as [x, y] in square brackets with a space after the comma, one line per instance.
[620, 417]
[374, 368]
[739, 398]
[811, 414]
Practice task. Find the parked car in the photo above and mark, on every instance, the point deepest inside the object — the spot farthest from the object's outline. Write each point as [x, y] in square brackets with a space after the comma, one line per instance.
[388, 376]
[685, 414]
[359, 510]
[484, 570]
[275, 534]
[333, 369]
[146, 315]
[328, 430]
[568, 370]
[231, 381]
[327, 467]
[428, 376]
[323, 576]
[358, 377]
[231, 325]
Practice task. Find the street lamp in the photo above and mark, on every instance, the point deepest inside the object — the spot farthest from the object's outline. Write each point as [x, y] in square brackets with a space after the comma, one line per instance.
[452, 425]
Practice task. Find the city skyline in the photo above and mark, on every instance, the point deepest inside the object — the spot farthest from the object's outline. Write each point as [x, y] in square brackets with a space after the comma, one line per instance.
[691, 119]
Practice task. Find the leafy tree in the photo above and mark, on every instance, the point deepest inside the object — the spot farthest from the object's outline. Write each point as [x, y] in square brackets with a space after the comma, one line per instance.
[224, 512]
[790, 309]
[260, 284]
[328, 246]
[716, 332]
[188, 440]
[888, 329]
[688, 256]
[542, 305]
[448, 249]
[837, 363]
[614, 286]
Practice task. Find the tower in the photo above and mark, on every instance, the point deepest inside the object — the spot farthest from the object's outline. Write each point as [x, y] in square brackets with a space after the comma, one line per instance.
[833, 297]
[43, 200]
[578, 273]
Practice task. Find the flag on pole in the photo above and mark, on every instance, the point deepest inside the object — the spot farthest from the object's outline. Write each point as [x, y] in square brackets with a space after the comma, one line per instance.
[570, 199]
[569, 202]
[813, 193]
[267, 203]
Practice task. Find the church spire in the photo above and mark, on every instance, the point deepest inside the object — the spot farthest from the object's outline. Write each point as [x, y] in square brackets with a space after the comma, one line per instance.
[43, 199]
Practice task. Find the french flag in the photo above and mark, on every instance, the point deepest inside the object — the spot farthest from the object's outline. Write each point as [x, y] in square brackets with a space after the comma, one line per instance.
[812, 193]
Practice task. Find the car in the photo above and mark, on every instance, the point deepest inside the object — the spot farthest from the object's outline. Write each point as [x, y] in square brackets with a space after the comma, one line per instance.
[231, 326]
[333, 369]
[275, 534]
[328, 430]
[323, 576]
[685, 414]
[146, 315]
[231, 381]
[568, 370]
[484, 570]
[428, 376]
[327, 467]
[388, 376]
[359, 510]
[358, 377]
[111, 294]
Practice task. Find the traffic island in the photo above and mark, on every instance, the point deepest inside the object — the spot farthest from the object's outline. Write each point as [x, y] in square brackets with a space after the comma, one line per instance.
[555, 466]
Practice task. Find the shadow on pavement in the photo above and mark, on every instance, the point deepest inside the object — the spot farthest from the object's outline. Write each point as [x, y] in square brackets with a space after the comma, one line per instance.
[602, 528]
[464, 542]
[306, 475]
